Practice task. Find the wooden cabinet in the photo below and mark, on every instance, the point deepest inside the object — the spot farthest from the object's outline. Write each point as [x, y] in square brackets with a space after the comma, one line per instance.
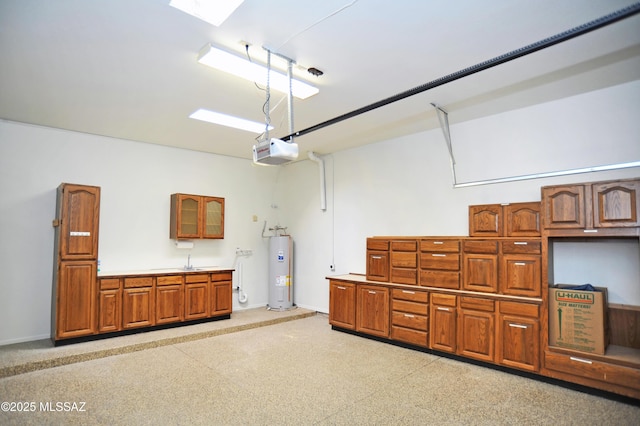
[404, 261]
[372, 313]
[480, 266]
[410, 316]
[220, 292]
[342, 304]
[592, 206]
[196, 295]
[443, 319]
[476, 332]
[505, 220]
[518, 336]
[169, 299]
[520, 268]
[196, 216]
[378, 259]
[76, 299]
[75, 294]
[110, 305]
[440, 263]
[138, 302]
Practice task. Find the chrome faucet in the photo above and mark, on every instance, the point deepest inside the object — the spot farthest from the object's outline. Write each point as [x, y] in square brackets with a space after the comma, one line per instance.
[188, 266]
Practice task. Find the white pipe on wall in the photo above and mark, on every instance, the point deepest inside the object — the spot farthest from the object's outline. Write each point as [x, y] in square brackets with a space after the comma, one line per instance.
[323, 187]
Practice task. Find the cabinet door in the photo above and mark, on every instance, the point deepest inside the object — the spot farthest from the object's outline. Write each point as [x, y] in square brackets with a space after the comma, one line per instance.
[76, 299]
[480, 273]
[442, 328]
[196, 300]
[78, 210]
[213, 217]
[519, 342]
[378, 265]
[485, 220]
[564, 207]
[169, 303]
[342, 304]
[616, 204]
[522, 219]
[372, 314]
[185, 216]
[520, 275]
[221, 301]
[110, 311]
[138, 307]
[476, 334]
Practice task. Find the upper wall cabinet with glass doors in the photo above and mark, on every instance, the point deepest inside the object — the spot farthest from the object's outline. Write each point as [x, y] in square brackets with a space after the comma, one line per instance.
[196, 216]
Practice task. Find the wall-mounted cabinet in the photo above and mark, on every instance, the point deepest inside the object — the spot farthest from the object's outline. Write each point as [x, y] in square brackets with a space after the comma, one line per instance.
[378, 259]
[505, 220]
[196, 216]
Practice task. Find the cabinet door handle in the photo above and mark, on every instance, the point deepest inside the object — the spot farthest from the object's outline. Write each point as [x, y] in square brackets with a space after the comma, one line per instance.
[586, 361]
[409, 316]
[439, 255]
[372, 292]
[438, 242]
[517, 325]
[408, 292]
[520, 263]
[444, 309]
[590, 230]
[341, 288]
[520, 243]
[376, 257]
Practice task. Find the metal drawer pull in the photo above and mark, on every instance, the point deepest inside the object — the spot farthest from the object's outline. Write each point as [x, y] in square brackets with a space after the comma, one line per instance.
[439, 255]
[520, 264]
[341, 288]
[444, 309]
[590, 230]
[376, 257]
[520, 243]
[586, 361]
[517, 325]
[438, 242]
[372, 292]
[409, 316]
[408, 292]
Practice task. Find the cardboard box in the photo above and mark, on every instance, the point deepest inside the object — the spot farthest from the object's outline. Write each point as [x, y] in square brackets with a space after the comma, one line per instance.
[578, 319]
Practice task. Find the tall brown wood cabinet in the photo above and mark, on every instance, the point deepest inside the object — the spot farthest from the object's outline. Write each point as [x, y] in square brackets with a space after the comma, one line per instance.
[74, 310]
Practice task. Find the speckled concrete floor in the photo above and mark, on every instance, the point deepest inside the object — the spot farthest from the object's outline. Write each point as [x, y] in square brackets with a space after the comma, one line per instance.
[295, 373]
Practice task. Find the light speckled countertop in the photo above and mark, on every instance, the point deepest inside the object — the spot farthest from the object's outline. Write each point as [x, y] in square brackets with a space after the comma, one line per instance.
[163, 271]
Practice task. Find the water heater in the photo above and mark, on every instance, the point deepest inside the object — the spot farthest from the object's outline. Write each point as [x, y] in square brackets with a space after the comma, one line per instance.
[280, 272]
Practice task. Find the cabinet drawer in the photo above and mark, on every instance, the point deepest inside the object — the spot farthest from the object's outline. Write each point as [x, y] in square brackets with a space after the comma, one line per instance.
[440, 279]
[443, 299]
[172, 279]
[138, 282]
[448, 246]
[221, 276]
[382, 245]
[584, 367]
[404, 319]
[527, 247]
[481, 246]
[404, 276]
[411, 295]
[109, 284]
[410, 307]
[443, 261]
[404, 259]
[477, 304]
[404, 246]
[519, 309]
[408, 335]
[197, 278]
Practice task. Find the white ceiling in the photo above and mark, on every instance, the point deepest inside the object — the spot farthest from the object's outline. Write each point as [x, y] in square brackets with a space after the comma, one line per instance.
[127, 68]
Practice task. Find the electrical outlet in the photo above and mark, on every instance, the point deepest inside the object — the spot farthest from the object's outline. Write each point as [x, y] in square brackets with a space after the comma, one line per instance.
[332, 267]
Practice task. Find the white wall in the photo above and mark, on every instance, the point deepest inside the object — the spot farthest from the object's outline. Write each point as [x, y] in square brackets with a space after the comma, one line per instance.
[396, 187]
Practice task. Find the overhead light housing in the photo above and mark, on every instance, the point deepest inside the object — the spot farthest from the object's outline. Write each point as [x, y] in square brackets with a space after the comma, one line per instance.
[229, 121]
[274, 152]
[214, 12]
[241, 67]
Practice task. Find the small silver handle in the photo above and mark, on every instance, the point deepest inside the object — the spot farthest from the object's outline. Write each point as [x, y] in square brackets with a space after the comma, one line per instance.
[438, 242]
[439, 255]
[409, 316]
[408, 292]
[586, 361]
[520, 264]
[372, 292]
[376, 257]
[341, 288]
[590, 230]
[517, 325]
[444, 309]
[520, 243]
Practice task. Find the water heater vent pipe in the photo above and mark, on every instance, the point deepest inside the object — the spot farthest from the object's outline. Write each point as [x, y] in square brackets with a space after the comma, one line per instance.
[323, 186]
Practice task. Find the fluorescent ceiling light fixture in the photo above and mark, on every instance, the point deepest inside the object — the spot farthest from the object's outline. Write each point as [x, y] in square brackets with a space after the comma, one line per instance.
[232, 64]
[229, 121]
[214, 12]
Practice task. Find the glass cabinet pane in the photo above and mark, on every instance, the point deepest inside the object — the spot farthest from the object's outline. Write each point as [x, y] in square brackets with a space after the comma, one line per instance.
[189, 210]
[214, 217]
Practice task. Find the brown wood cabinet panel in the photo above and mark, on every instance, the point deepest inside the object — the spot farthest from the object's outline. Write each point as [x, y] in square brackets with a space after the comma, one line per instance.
[522, 219]
[196, 300]
[109, 283]
[616, 204]
[372, 313]
[138, 307]
[443, 320]
[480, 246]
[377, 244]
[476, 333]
[441, 279]
[410, 295]
[624, 325]
[378, 265]
[76, 299]
[520, 275]
[78, 220]
[221, 276]
[138, 282]
[439, 245]
[169, 303]
[110, 310]
[440, 261]
[342, 304]
[221, 300]
[404, 276]
[486, 220]
[518, 336]
[480, 273]
[169, 280]
[521, 247]
[410, 335]
[564, 207]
